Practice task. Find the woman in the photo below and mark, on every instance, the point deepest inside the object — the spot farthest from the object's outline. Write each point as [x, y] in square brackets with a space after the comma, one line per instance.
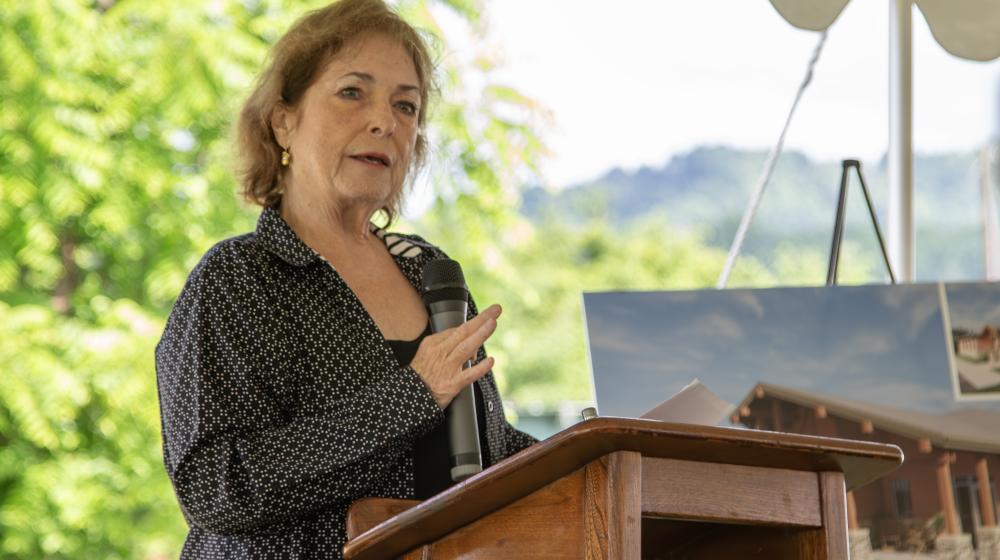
[297, 372]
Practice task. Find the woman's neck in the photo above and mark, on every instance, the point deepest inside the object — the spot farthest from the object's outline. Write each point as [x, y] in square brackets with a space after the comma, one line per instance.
[324, 227]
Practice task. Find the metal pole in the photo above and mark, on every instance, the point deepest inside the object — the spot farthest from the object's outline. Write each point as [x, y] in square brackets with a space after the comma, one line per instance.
[874, 216]
[991, 229]
[901, 238]
[838, 226]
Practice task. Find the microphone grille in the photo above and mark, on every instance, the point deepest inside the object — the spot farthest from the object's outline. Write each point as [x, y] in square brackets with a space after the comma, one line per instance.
[443, 273]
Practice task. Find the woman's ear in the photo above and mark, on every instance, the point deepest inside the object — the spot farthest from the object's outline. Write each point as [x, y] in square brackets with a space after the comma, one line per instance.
[282, 123]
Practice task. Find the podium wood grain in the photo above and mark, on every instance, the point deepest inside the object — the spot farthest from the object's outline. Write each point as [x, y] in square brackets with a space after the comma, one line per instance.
[623, 488]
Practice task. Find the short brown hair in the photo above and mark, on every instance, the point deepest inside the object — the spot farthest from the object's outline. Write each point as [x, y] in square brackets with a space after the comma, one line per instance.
[296, 60]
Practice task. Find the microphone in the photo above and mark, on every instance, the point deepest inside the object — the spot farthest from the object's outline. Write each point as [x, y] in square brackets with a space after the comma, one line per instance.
[447, 299]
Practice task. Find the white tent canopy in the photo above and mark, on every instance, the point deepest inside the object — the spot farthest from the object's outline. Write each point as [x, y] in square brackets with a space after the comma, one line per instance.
[966, 28]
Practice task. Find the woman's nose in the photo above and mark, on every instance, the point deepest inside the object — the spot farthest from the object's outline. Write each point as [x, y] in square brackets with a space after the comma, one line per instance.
[383, 122]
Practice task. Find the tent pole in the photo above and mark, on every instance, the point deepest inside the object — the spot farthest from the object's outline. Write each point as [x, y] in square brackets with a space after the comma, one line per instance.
[901, 237]
[991, 229]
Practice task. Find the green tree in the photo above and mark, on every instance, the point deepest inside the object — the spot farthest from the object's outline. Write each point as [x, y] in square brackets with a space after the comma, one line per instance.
[81, 474]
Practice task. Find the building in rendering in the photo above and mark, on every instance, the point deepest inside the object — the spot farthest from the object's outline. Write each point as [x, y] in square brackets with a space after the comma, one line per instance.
[946, 485]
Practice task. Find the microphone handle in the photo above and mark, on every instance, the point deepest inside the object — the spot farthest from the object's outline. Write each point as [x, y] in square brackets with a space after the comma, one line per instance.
[463, 424]
[463, 433]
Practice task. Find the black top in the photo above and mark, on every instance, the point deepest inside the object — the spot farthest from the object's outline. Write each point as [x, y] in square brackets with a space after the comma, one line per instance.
[432, 452]
[281, 402]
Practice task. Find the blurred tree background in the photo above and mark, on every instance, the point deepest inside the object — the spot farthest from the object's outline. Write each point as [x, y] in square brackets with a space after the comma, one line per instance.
[116, 175]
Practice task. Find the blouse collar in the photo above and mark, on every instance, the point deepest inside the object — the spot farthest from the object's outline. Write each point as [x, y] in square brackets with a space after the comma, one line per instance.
[274, 233]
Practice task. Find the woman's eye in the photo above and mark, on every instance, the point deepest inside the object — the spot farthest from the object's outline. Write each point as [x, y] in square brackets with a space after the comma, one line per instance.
[350, 92]
[408, 107]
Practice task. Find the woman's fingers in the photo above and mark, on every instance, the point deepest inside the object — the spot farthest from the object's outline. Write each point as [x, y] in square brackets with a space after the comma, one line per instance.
[476, 371]
[440, 357]
[466, 329]
[466, 348]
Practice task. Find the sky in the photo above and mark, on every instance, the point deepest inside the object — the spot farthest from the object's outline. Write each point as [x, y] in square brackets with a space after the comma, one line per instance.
[883, 344]
[633, 82]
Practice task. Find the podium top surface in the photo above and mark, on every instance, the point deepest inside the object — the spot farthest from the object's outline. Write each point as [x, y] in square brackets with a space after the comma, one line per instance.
[571, 449]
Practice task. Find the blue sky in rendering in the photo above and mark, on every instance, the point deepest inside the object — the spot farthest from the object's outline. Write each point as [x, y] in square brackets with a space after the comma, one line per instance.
[882, 344]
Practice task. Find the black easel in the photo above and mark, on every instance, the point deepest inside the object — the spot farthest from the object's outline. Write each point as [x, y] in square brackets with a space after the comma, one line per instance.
[838, 225]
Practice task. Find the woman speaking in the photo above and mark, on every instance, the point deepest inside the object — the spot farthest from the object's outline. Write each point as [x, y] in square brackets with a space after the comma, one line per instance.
[297, 372]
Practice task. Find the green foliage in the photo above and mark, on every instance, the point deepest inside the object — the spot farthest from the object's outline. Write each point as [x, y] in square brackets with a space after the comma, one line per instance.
[81, 471]
[114, 179]
[114, 146]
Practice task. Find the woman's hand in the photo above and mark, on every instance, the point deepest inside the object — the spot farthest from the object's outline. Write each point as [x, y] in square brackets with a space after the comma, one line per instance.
[441, 355]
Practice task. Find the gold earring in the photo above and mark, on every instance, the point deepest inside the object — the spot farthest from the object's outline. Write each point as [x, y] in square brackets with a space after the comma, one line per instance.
[286, 157]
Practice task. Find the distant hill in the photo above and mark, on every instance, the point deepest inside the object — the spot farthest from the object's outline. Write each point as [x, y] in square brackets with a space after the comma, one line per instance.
[708, 188]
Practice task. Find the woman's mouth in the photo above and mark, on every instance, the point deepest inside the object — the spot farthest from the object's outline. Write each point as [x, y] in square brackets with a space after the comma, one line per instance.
[373, 158]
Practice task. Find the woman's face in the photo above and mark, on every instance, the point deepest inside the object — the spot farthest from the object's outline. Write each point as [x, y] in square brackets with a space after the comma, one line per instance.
[352, 134]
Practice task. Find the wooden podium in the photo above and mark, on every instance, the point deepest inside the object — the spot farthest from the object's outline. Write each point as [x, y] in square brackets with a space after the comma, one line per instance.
[622, 488]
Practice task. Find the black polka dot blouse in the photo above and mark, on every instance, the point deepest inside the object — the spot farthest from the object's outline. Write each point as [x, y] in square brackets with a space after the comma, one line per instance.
[282, 403]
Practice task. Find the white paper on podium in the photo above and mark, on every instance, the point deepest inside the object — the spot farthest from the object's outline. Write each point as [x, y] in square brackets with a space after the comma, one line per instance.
[694, 404]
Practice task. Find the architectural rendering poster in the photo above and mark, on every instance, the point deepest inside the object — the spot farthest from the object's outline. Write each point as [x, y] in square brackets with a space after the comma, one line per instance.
[890, 345]
[912, 365]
